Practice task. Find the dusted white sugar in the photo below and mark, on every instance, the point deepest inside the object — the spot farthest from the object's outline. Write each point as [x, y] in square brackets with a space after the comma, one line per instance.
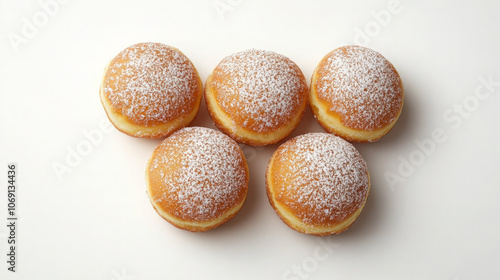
[151, 82]
[362, 87]
[208, 178]
[327, 176]
[265, 87]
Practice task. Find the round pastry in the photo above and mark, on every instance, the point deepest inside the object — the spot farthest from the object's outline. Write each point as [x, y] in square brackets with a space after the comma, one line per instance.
[356, 94]
[257, 97]
[197, 179]
[318, 183]
[150, 90]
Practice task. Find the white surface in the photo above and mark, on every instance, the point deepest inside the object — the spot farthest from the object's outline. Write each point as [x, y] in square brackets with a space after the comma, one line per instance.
[97, 223]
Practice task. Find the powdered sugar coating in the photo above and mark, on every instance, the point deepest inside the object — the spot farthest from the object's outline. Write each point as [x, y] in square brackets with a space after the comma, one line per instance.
[197, 174]
[361, 86]
[260, 90]
[320, 177]
[151, 83]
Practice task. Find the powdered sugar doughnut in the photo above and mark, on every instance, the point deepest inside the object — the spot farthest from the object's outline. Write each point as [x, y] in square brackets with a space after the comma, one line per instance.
[150, 90]
[318, 183]
[257, 97]
[356, 93]
[197, 179]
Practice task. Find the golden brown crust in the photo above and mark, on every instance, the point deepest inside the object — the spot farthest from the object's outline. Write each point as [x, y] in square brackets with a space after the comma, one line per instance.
[317, 183]
[197, 179]
[356, 94]
[194, 226]
[150, 90]
[256, 97]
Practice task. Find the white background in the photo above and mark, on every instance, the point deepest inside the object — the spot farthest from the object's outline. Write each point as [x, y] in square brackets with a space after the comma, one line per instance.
[439, 221]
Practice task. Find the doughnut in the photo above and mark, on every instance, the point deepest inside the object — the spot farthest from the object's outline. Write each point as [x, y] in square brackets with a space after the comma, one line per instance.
[197, 179]
[149, 90]
[257, 97]
[356, 94]
[317, 183]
